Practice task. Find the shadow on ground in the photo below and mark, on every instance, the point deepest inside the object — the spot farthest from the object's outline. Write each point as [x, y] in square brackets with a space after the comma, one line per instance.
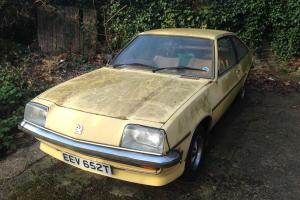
[254, 154]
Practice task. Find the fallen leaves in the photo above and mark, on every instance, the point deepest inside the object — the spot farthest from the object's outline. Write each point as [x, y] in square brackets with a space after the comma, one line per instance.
[42, 72]
[267, 80]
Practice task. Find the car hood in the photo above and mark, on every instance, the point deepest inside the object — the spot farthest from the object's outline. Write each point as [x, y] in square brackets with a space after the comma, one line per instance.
[125, 94]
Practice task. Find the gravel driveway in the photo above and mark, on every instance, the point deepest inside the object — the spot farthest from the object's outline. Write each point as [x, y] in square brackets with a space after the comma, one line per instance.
[254, 154]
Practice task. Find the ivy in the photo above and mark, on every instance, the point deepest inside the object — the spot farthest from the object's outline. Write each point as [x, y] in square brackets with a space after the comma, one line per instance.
[13, 95]
[120, 20]
[252, 20]
[285, 25]
[126, 20]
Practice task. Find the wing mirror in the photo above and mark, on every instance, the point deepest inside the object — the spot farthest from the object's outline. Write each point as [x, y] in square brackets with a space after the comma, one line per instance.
[108, 58]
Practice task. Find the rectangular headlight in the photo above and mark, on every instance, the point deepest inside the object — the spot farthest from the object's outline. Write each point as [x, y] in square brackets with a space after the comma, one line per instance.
[143, 138]
[36, 113]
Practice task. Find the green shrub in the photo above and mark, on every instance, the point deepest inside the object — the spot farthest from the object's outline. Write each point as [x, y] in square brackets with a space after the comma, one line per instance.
[13, 94]
[285, 26]
[246, 18]
[7, 127]
[286, 42]
[124, 20]
[252, 20]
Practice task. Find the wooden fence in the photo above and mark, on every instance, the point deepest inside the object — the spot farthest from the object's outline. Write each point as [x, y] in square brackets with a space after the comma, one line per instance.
[68, 29]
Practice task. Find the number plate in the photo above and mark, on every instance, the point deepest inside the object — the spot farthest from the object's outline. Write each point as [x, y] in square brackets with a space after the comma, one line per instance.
[87, 164]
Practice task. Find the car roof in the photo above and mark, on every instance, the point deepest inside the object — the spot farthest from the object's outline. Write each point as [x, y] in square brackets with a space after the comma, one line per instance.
[190, 32]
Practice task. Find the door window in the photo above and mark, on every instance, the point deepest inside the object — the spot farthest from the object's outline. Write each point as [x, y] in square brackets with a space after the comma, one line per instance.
[226, 55]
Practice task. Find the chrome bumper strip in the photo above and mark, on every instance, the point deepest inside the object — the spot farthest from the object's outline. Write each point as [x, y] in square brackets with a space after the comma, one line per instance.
[114, 154]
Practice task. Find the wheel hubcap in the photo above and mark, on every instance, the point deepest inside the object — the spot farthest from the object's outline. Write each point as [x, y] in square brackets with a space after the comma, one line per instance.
[196, 153]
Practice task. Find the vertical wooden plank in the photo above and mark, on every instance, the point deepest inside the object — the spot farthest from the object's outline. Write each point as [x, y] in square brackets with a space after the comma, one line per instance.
[67, 29]
[39, 24]
[46, 29]
[90, 31]
[41, 31]
[76, 29]
[81, 33]
[72, 28]
[54, 31]
[48, 26]
[61, 30]
[51, 46]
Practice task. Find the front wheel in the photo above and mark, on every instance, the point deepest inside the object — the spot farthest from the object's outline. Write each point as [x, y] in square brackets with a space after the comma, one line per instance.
[195, 155]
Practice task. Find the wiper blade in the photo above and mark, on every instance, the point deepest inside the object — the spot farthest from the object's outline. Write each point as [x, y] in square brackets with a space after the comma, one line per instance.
[204, 69]
[135, 64]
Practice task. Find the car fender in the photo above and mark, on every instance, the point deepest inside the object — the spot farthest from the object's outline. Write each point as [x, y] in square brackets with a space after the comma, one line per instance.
[181, 126]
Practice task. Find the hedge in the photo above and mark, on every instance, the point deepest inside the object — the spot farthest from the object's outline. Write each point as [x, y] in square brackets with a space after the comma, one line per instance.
[252, 20]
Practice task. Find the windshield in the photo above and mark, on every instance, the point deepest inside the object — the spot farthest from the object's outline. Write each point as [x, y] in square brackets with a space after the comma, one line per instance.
[185, 56]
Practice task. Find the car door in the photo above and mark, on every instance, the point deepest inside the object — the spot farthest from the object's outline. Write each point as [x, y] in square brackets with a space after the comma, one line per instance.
[225, 88]
[244, 59]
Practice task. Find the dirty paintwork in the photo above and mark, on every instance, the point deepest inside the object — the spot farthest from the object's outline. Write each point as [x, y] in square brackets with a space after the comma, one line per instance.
[249, 159]
[125, 94]
[108, 99]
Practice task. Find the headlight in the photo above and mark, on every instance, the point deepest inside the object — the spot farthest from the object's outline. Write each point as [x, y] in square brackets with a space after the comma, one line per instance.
[36, 113]
[143, 139]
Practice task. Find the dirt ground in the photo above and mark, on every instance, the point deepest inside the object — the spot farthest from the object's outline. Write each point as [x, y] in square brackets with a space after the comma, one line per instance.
[254, 154]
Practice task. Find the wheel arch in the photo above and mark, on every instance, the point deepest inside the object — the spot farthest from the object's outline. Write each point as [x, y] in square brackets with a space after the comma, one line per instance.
[206, 123]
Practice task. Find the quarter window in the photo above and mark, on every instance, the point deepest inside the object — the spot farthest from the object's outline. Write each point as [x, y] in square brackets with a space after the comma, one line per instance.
[241, 49]
[226, 55]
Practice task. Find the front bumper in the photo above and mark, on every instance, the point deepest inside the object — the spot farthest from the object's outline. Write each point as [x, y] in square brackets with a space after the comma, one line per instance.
[102, 151]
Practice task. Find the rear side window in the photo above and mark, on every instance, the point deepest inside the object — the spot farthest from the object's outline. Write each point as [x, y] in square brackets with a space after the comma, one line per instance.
[226, 54]
[241, 49]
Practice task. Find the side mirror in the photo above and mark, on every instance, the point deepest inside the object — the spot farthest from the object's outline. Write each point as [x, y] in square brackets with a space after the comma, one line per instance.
[108, 58]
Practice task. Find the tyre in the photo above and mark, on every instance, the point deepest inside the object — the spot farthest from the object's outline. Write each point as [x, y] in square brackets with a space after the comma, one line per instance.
[194, 159]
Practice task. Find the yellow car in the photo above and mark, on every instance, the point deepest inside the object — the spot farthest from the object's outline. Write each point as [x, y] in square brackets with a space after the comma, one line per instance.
[145, 117]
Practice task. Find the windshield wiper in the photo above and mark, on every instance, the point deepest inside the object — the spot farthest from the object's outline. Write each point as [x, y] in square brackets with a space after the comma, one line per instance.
[203, 69]
[135, 64]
